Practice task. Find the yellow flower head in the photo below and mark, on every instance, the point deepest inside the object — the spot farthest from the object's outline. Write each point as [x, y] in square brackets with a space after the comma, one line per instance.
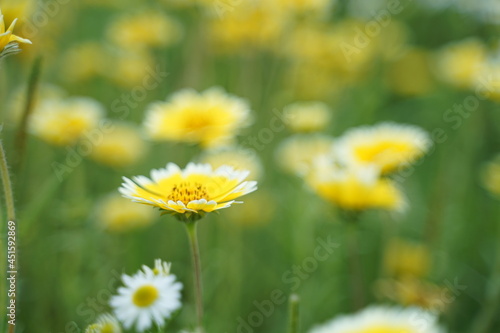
[239, 158]
[354, 189]
[130, 67]
[487, 81]
[304, 6]
[150, 28]
[63, 122]
[117, 214]
[308, 116]
[122, 146]
[249, 24]
[459, 63]
[403, 258]
[329, 51]
[9, 43]
[85, 61]
[105, 323]
[189, 193]
[383, 319]
[296, 154]
[491, 176]
[211, 118]
[386, 145]
[21, 9]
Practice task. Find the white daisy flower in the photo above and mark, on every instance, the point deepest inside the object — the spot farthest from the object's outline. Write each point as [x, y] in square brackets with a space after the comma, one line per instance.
[189, 192]
[148, 297]
[383, 319]
[161, 268]
[105, 323]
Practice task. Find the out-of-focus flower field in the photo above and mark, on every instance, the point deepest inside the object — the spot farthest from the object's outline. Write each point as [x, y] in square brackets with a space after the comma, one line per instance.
[336, 164]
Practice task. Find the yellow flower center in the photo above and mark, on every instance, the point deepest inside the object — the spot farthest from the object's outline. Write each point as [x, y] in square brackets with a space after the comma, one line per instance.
[187, 192]
[145, 296]
[197, 123]
[107, 328]
[385, 329]
[382, 150]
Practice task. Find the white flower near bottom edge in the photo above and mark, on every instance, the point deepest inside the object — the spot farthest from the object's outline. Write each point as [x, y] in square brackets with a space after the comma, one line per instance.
[380, 318]
[146, 299]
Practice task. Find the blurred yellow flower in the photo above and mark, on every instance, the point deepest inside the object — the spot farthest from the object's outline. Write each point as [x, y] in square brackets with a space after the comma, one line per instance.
[409, 291]
[211, 118]
[325, 58]
[386, 145]
[354, 189]
[239, 158]
[85, 61]
[410, 74]
[9, 43]
[383, 319]
[150, 28]
[22, 9]
[312, 82]
[308, 116]
[459, 63]
[249, 24]
[105, 323]
[297, 153]
[403, 258]
[189, 193]
[487, 82]
[130, 67]
[304, 6]
[121, 146]
[63, 122]
[331, 48]
[491, 176]
[117, 214]
[310, 43]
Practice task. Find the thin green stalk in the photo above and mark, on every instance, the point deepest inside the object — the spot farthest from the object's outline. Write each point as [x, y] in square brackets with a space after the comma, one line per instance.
[294, 325]
[9, 203]
[489, 311]
[195, 253]
[355, 266]
[20, 143]
[7, 185]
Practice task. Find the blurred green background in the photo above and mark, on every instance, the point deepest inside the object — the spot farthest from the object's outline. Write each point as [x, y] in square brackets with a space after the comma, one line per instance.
[68, 265]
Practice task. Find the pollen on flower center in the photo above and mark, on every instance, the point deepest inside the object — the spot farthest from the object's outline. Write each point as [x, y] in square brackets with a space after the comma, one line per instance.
[145, 296]
[187, 192]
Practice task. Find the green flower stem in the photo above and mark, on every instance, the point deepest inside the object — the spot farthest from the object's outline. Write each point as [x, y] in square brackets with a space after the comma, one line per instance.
[294, 325]
[355, 266]
[20, 143]
[489, 311]
[9, 201]
[195, 252]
